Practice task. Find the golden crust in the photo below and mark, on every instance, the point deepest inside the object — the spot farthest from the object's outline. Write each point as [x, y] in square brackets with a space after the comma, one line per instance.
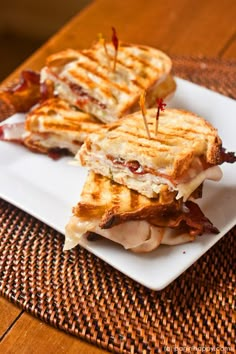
[35, 145]
[182, 137]
[56, 125]
[62, 58]
[113, 204]
[89, 82]
[57, 115]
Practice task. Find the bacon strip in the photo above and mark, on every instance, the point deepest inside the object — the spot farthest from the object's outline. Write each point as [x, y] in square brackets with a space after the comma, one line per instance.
[23, 95]
[229, 157]
[191, 218]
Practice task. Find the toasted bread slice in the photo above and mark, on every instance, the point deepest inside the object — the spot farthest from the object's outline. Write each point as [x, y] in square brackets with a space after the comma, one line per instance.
[113, 203]
[126, 217]
[184, 147]
[87, 80]
[55, 124]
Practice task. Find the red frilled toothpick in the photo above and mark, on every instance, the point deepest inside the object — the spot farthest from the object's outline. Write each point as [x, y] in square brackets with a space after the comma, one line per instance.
[160, 107]
[115, 42]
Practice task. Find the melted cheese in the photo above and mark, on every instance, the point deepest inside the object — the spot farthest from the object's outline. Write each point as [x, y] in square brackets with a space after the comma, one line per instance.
[147, 184]
[186, 189]
[75, 230]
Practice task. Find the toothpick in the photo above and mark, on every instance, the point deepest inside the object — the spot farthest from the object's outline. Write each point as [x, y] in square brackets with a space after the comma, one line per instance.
[143, 110]
[160, 107]
[103, 43]
[115, 42]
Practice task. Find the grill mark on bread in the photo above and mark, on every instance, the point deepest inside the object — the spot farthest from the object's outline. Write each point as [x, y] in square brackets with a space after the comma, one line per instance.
[134, 200]
[126, 205]
[86, 94]
[176, 158]
[92, 57]
[151, 147]
[145, 143]
[69, 127]
[105, 79]
[84, 80]
[186, 132]
[137, 58]
[129, 67]
[83, 119]
[143, 62]
[90, 82]
[146, 146]
[68, 124]
[124, 65]
[136, 82]
[97, 192]
[65, 118]
[168, 138]
[129, 80]
[115, 188]
[163, 139]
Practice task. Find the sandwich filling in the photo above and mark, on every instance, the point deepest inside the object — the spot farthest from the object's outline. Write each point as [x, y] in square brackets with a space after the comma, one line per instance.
[138, 235]
[132, 220]
[146, 180]
[46, 142]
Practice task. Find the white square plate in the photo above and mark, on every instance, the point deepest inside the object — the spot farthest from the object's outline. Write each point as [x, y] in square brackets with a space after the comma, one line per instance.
[48, 189]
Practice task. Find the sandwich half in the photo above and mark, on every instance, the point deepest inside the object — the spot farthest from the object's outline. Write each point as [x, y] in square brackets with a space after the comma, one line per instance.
[185, 151]
[87, 80]
[57, 126]
[138, 223]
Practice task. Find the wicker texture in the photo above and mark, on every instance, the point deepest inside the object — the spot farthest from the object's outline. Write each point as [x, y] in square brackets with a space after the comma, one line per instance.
[82, 295]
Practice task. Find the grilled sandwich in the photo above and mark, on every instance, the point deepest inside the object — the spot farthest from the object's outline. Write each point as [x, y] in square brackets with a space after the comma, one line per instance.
[136, 222]
[55, 125]
[86, 79]
[185, 151]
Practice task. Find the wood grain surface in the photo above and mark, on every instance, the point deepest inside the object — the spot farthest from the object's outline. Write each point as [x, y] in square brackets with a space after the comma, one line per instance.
[179, 27]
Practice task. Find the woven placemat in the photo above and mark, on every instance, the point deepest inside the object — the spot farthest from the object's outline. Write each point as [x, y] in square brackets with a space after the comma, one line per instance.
[82, 295]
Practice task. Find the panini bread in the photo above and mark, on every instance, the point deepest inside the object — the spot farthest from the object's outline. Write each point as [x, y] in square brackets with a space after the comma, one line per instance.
[56, 125]
[85, 78]
[137, 223]
[185, 152]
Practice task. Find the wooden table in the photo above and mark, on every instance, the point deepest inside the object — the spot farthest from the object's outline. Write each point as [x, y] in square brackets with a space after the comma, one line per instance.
[178, 27]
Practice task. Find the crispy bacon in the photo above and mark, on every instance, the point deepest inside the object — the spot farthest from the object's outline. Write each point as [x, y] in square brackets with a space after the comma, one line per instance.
[83, 97]
[186, 217]
[229, 157]
[46, 90]
[24, 94]
[57, 153]
[191, 219]
[135, 167]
